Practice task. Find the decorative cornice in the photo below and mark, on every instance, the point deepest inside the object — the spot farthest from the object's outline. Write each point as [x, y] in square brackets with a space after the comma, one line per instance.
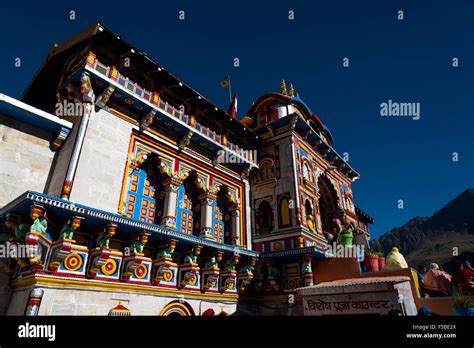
[37, 197]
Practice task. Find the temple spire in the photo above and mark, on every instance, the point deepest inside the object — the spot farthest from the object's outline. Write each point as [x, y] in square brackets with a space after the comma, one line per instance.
[283, 87]
[292, 90]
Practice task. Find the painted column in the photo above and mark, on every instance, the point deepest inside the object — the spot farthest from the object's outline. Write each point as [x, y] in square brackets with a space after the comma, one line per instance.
[235, 225]
[207, 199]
[171, 186]
[88, 98]
[34, 302]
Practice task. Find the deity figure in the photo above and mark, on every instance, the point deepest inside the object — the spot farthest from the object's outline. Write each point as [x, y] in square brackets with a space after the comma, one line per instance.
[230, 264]
[213, 261]
[138, 246]
[306, 265]
[103, 239]
[192, 256]
[67, 231]
[40, 224]
[168, 251]
[248, 268]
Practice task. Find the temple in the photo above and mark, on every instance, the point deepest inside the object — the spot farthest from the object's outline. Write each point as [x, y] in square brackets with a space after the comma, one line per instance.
[133, 194]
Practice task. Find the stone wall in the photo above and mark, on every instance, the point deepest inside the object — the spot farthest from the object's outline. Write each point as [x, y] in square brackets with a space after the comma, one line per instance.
[99, 174]
[71, 301]
[25, 158]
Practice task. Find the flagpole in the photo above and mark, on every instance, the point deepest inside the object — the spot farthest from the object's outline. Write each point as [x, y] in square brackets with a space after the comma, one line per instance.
[230, 90]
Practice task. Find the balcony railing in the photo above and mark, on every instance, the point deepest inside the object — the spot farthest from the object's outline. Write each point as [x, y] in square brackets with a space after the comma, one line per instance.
[163, 105]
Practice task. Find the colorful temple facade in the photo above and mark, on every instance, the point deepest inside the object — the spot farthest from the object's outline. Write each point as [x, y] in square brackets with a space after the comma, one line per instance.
[145, 198]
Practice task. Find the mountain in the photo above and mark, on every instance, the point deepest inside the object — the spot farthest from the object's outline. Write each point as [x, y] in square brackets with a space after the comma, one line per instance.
[448, 232]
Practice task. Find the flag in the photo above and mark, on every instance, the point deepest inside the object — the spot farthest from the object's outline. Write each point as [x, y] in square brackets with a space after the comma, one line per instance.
[233, 107]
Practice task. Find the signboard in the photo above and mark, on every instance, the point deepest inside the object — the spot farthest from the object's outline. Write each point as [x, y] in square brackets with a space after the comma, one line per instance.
[378, 303]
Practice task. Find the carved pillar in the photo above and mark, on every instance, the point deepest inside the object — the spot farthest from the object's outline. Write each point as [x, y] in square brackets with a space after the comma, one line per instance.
[34, 302]
[235, 225]
[171, 186]
[88, 98]
[207, 199]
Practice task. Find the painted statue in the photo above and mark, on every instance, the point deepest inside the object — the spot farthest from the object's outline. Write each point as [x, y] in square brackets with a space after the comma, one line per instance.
[192, 256]
[40, 224]
[230, 264]
[168, 251]
[20, 229]
[213, 262]
[138, 246]
[248, 268]
[306, 265]
[103, 239]
[86, 88]
[103, 99]
[67, 231]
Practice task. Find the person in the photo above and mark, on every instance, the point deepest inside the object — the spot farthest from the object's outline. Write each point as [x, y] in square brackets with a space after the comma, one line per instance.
[395, 260]
[464, 278]
[437, 282]
[422, 269]
[421, 272]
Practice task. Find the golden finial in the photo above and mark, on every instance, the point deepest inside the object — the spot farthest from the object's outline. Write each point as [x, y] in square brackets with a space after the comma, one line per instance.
[292, 90]
[283, 87]
[297, 95]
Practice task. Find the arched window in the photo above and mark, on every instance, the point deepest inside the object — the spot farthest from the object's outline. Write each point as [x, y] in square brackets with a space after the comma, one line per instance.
[222, 219]
[328, 205]
[284, 212]
[142, 199]
[266, 170]
[265, 218]
[188, 210]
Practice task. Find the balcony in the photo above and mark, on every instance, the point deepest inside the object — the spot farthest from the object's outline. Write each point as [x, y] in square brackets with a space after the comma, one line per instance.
[125, 88]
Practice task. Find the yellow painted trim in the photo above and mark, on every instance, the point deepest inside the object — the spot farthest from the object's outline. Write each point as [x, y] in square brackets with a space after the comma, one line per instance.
[159, 135]
[122, 116]
[90, 284]
[417, 282]
[136, 138]
[339, 177]
[173, 305]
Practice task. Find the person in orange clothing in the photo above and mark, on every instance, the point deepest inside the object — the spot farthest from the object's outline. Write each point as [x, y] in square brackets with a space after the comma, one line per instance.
[437, 281]
[464, 278]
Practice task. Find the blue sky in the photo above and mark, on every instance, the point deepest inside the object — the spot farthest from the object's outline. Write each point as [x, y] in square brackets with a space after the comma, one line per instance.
[389, 59]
